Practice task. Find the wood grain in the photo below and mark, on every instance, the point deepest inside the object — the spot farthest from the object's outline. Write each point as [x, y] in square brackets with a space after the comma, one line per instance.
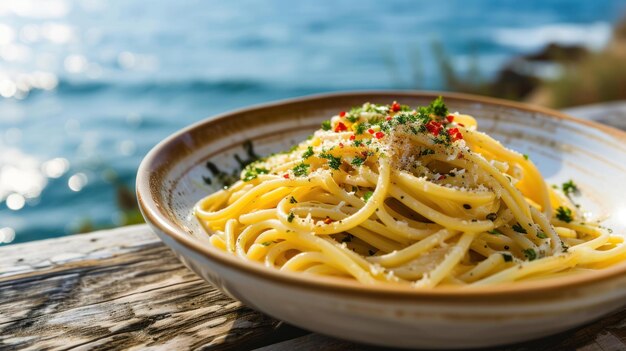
[129, 297]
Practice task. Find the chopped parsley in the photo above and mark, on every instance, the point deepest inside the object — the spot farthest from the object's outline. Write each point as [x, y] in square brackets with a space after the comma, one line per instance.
[333, 162]
[518, 228]
[530, 254]
[326, 125]
[358, 161]
[291, 217]
[507, 257]
[367, 196]
[293, 200]
[427, 152]
[308, 153]
[569, 187]
[494, 232]
[360, 128]
[438, 107]
[525, 157]
[564, 214]
[541, 235]
[301, 169]
[253, 173]
[267, 243]
[352, 117]
[358, 143]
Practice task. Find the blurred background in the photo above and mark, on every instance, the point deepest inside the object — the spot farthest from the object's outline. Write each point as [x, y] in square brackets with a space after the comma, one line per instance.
[87, 87]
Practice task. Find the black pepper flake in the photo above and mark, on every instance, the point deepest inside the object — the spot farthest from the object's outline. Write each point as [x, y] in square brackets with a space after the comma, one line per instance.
[492, 216]
[467, 206]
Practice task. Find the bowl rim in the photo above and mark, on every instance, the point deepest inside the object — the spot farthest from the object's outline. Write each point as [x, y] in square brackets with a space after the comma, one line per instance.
[151, 211]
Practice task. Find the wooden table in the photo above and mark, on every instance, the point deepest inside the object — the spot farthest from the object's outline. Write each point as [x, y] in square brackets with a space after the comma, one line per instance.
[123, 289]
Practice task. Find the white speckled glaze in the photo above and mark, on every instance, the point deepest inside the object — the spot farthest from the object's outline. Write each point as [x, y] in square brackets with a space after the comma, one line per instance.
[170, 181]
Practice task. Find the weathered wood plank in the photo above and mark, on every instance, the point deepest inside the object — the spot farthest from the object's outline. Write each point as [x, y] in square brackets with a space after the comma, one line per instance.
[47, 254]
[134, 296]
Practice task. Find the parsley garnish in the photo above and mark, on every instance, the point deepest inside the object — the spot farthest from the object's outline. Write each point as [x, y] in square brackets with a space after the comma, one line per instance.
[357, 161]
[564, 214]
[494, 232]
[401, 118]
[358, 143]
[569, 187]
[301, 169]
[427, 152]
[291, 217]
[360, 128]
[438, 107]
[525, 157]
[530, 254]
[367, 196]
[542, 235]
[266, 243]
[308, 153]
[507, 257]
[326, 125]
[352, 117]
[333, 162]
[518, 228]
[252, 173]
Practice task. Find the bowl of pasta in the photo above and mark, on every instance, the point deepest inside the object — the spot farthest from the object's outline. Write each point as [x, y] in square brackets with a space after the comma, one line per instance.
[406, 219]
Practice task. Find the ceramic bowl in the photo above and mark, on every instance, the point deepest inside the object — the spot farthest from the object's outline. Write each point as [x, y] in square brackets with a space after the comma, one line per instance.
[177, 173]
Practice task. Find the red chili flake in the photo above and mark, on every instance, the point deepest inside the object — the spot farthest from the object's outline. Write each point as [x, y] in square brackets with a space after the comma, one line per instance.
[455, 134]
[328, 220]
[342, 114]
[434, 127]
[340, 127]
[352, 137]
[364, 153]
[443, 176]
[286, 175]
[388, 118]
[450, 118]
[379, 135]
[461, 124]
[340, 144]
[371, 131]
[395, 107]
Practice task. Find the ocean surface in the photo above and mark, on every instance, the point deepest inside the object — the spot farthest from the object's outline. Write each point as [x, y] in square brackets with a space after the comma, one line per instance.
[88, 87]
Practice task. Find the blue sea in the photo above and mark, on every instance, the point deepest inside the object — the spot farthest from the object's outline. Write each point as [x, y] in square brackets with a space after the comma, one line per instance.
[88, 87]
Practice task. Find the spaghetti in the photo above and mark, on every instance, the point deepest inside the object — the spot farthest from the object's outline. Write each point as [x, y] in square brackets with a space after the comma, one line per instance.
[389, 194]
